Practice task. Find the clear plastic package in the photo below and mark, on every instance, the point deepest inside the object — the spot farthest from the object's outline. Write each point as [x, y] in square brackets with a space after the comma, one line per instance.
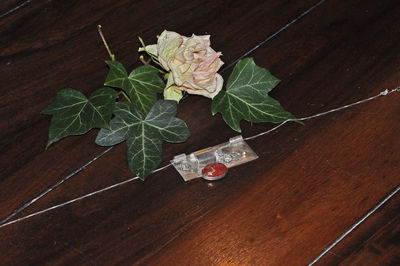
[232, 153]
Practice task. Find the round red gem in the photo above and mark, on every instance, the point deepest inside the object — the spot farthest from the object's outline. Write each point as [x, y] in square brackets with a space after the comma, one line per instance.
[214, 171]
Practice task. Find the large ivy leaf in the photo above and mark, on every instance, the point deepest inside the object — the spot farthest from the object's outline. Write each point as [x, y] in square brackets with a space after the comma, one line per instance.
[74, 114]
[142, 84]
[246, 97]
[144, 136]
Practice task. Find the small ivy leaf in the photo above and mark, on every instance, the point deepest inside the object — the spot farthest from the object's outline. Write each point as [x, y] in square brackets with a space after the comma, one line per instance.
[74, 114]
[144, 136]
[246, 97]
[142, 84]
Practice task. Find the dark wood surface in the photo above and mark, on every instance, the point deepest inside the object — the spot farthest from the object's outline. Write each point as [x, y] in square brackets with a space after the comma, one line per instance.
[310, 184]
[374, 242]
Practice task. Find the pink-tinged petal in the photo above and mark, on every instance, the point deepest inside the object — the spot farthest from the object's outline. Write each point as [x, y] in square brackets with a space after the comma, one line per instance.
[167, 45]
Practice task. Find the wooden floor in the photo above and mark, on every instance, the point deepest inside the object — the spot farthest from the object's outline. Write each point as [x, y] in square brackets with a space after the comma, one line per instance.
[297, 204]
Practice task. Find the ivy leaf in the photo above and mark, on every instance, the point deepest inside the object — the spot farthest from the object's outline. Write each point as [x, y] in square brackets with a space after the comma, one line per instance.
[248, 76]
[246, 97]
[144, 136]
[74, 114]
[142, 84]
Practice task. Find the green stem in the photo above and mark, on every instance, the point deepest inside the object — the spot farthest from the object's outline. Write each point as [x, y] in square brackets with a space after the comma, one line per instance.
[153, 58]
[112, 56]
[146, 63]
[125, 95]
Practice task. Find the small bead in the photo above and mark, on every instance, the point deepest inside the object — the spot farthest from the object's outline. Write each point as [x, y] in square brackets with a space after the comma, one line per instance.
[214, 171]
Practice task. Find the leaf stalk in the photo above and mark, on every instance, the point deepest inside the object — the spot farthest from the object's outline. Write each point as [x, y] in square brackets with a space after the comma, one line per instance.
[112, 56]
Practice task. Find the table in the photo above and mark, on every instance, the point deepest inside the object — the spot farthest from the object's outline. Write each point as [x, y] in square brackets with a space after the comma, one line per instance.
[310, 185]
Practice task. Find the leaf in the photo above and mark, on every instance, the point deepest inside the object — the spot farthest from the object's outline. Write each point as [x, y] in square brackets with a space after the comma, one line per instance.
[246, 97]
[144, 136]
[74, 114]
[247, 75]
[142, 84]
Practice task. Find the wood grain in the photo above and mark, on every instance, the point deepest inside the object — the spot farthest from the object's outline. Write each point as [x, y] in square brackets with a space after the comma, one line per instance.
[310, 184]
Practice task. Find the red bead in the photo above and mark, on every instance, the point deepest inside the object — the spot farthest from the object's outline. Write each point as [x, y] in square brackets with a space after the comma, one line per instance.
[214, 171]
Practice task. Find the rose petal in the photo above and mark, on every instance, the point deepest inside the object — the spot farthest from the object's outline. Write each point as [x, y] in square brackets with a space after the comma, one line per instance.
[167, 44]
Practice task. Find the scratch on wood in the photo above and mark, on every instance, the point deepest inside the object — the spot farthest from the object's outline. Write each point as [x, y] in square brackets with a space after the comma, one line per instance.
[15, 8]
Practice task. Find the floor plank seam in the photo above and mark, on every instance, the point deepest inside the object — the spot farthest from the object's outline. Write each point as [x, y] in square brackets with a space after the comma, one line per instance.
[15, 9]
[270, 37]
[80, 198]
[29, 203]
[354, 226]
